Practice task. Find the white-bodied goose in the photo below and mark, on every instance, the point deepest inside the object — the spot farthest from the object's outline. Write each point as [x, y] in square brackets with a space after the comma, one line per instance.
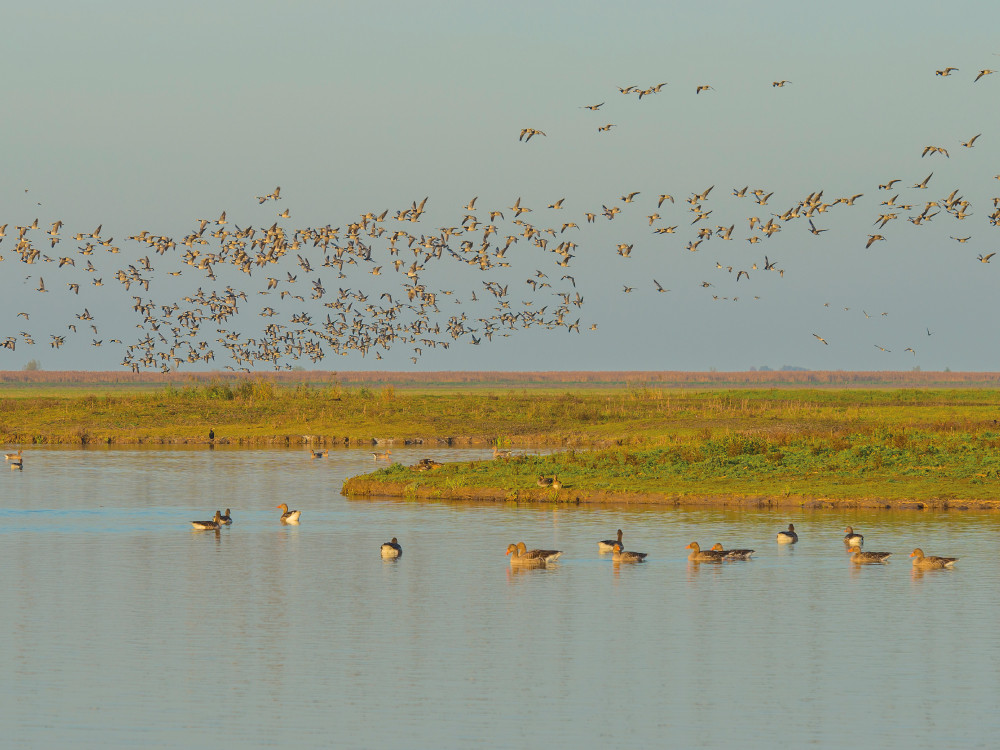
[391, 549]
[788, 537]
[608, 545]
[851, 539]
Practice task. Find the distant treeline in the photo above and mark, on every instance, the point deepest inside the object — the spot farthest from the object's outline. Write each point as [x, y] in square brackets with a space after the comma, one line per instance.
[630, 379]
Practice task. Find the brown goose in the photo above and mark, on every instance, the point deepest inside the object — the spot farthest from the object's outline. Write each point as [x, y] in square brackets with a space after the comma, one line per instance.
[931, 563]
[523, 555]
[788, 537]
[858, 556]
[225, 519]
[621, 555]
[608, 545]
[732, 554]
[208, 525]
[289, 516]
[517, 559]
[708, 555]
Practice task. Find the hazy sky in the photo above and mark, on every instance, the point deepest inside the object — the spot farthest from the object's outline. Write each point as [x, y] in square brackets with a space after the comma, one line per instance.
[140, 116]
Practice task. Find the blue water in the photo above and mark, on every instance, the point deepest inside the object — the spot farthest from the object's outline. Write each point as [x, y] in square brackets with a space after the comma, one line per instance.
[126, 628]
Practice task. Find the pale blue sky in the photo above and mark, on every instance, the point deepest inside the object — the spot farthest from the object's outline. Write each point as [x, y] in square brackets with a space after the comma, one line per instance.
[136, 115]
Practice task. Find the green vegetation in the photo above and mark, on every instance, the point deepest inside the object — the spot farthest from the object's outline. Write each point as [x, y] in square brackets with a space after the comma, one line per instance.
[874, 466]
[674, 444]
[260, 410]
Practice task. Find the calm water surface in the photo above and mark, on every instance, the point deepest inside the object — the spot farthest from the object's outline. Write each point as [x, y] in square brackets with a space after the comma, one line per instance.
[125, 628]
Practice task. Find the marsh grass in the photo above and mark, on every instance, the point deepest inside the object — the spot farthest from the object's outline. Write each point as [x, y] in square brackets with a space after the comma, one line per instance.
[743, 422]
[890, 465]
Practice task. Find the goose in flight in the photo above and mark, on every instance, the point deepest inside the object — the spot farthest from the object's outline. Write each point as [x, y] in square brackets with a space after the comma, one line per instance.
[593, 107]
[968, 143]
[529, 132]
[985, 258]
[945, 72]
[821, 339]
[984, 72]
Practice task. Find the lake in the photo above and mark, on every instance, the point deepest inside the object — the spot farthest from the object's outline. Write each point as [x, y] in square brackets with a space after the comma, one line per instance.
[125, 628]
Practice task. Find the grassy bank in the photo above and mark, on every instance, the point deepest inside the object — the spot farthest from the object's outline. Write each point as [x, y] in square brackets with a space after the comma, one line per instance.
[262, 412]
[640, 443]
[870, 468]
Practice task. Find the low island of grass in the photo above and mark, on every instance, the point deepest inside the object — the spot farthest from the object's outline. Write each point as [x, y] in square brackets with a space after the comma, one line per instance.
[901, 444]
[869, 448]
[880, 469]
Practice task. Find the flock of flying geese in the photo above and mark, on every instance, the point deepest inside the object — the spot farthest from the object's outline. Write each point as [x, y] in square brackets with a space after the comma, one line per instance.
[369, 284]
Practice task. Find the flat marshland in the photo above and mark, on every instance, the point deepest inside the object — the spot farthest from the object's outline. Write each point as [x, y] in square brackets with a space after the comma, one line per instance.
[642, 443]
